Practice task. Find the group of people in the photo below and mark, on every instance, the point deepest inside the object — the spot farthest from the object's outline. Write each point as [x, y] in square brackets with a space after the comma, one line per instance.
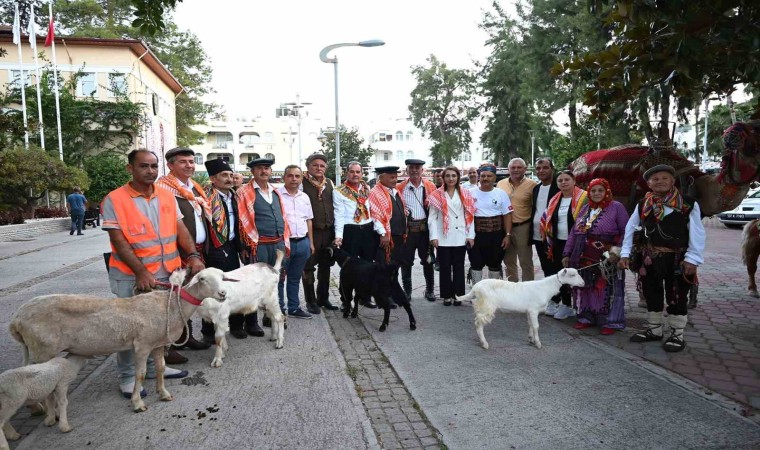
[157, 225]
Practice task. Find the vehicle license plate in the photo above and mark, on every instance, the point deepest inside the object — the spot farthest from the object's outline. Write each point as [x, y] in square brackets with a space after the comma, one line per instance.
[734, 216]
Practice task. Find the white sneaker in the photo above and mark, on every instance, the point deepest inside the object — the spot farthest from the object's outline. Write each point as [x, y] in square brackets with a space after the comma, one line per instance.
[563, 312]
[552, 308]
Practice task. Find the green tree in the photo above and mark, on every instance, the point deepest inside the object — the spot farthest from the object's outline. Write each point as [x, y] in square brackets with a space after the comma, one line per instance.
[351, 149]
[668, 55]
[27, 174]
[443, 105]
[106, 173]
[720, 119]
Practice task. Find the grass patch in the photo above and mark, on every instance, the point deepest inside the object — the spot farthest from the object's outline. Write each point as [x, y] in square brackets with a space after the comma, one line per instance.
[352, 371]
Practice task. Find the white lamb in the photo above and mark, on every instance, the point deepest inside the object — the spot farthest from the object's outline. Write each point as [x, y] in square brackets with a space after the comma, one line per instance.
[529, 297]
[29, 385]
[249, 288]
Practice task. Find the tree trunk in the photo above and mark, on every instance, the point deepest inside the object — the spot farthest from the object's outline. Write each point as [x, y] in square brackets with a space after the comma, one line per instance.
[572, 114]
[663, 132]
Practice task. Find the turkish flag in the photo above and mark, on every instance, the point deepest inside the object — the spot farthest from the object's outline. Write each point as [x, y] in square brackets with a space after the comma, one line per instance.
[51, 34]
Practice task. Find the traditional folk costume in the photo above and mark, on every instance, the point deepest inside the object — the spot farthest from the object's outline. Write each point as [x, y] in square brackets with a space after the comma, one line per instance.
[193, 203]
[388, 212]
[416, 199]
[670, 232]
[263, 228]
[556, 223]
[451, 224]
[491, 207]
[323, 227]
[599, 226]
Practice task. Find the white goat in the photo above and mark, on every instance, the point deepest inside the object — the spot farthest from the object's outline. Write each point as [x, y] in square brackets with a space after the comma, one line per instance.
[90, 326]
[529, 297]
[254, 287]
[27, 385]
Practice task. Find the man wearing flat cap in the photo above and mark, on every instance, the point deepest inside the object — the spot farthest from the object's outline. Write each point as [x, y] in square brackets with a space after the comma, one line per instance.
[223, 245]
[670, 243]
[319, 189]
[415, 192]
[263, 225]
[196, 214]
[388, 213]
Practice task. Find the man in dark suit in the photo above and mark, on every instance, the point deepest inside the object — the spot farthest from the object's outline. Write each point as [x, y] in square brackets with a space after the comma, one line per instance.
[193, 205]
[542, 193]
[222, 247]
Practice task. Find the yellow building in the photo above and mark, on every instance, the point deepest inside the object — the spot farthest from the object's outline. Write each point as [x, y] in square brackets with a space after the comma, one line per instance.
[126, 65]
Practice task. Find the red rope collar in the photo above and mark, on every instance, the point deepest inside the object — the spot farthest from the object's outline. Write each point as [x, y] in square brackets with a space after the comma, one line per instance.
[183, 294]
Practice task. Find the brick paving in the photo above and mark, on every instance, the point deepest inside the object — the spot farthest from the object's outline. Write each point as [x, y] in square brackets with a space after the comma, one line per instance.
[723, 335]
[396, 418]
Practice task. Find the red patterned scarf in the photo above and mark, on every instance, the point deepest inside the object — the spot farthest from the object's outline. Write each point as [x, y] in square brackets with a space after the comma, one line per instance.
[655, 204]
[219, 223]
[579, 198]
[607, 193]
[199, 204]
[360, 196]
[437, 200]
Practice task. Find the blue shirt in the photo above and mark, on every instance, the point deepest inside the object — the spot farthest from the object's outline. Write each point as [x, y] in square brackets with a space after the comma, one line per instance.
[76, 201]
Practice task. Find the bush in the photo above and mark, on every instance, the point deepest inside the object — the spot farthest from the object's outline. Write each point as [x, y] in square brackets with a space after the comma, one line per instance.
[48, 213]
[12, 217]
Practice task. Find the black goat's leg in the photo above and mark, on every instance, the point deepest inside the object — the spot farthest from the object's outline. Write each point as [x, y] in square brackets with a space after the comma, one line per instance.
[386, 318]
[412, 321]
[346, 295]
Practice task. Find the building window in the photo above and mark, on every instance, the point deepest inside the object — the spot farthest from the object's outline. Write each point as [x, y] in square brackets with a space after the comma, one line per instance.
[399, 136]
[269, 156]
[466, 156]
[198, 158]
[409, 154]
[269, 137]
[117, 84]
[385, 137]
[225, 158]
[408, 135]
[87, 85]
[386, 156]
[16, 78]
[399, 155]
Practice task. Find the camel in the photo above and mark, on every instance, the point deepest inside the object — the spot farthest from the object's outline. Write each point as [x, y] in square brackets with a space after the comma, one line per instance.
[623, 167]
[750, 253]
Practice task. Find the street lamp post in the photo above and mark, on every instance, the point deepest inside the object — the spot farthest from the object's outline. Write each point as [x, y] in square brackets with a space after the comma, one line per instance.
[532, 148]
[334, 62]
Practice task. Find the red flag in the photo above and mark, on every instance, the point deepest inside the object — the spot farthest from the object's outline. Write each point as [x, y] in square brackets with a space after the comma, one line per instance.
[51, 34]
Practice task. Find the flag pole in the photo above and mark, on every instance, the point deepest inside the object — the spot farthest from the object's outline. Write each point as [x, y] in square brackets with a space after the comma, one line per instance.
[51, 32]
[17, 41]
[33, 42]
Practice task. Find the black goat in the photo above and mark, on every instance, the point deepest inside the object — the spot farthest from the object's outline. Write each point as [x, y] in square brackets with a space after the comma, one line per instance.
[364, 279]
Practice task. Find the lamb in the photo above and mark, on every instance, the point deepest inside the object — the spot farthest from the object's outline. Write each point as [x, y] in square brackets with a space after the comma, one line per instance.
[28, 385]
[366, 279]
[255, 288]
[529, 297]
[89, 325]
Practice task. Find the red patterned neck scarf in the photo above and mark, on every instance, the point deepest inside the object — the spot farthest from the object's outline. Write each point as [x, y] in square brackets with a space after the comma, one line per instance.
[360, 196]
[438, 201]
[578, 199]
[655, 203]
[199, 204]
[219, 223]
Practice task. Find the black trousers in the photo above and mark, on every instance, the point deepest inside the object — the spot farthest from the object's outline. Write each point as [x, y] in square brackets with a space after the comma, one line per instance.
[663, 282]
[541, 250]
[451, 275]
[224, 258]
[555, 265]
[361, 241]
[418, 242]
[487, 251]
[322, 239]
[396, 252]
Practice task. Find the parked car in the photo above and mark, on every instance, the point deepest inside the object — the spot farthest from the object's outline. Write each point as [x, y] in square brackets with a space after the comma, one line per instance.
[748, 210]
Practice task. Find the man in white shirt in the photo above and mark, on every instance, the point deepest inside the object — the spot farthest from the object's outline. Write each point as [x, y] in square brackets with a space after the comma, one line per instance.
[472, 178]
[670, 247]
[354, 229]
[542, 193]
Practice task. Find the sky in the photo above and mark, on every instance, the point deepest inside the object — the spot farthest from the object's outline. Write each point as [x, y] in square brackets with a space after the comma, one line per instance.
[263, 53]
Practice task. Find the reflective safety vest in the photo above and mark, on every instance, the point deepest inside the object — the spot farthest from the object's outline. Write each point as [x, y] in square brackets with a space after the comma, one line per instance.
[151, 248]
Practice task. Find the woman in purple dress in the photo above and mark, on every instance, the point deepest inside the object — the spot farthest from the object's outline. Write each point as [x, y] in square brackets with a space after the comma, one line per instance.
[600, 225]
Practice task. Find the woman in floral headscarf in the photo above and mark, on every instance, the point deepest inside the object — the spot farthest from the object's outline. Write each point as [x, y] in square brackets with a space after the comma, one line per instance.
[600, 225]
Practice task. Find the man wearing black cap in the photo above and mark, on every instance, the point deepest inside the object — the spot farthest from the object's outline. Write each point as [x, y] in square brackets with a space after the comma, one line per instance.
[223, 246]
[670, 245]
[388, 213]
[415, 192]
[319, 189]
[263, 225]
[196, 214]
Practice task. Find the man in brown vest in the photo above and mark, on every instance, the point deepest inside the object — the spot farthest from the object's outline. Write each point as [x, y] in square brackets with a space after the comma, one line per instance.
[320, 191]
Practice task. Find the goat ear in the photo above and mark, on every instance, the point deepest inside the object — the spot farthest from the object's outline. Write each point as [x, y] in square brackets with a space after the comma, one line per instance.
[564, 271]
[230, 279]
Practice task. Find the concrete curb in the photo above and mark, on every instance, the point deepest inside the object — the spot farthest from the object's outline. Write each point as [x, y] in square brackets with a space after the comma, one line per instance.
[33, 229]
